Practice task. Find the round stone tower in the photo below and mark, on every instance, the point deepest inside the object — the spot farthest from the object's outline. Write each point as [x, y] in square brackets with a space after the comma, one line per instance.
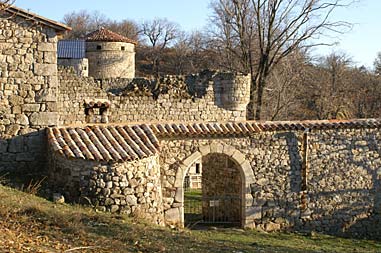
[110, 55]
[232, 90]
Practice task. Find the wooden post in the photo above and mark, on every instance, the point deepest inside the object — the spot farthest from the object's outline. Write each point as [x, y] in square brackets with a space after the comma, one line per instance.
[305, 167]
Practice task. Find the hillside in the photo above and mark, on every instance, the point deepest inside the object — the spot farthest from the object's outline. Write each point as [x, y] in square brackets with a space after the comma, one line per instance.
[32, 224]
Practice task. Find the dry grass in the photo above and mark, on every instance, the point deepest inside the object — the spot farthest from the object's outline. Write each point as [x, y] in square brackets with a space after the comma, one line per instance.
[33, 187]
[3, 179]
[32, 224]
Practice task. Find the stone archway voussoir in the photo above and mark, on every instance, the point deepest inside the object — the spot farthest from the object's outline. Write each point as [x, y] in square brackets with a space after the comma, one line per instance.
[228, 150]
[204, 150]
[216, 148]
[180, 175]
[248, 172]
[238, 157]
[192, 158]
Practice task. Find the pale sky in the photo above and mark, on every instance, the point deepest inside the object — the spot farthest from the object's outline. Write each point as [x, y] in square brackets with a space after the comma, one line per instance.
[361, 44]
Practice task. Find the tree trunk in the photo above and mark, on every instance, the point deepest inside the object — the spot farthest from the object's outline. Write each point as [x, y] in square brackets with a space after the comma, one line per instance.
[250, 111]
[260, 89]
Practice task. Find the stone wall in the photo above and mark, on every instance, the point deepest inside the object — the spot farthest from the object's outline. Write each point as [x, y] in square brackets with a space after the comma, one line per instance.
[132, 188]
[191, 98]
[342, 193]
[81, 66]
[72, 93]
[28, 88]
[343, 187]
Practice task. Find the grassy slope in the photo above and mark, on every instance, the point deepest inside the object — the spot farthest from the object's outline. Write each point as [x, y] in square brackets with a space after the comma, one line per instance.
[32, 224]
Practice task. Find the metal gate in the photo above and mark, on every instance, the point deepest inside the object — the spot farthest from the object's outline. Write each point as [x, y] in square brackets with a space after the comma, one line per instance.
[211, 210]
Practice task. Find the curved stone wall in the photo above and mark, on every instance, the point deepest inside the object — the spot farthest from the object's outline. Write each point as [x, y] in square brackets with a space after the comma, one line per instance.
[111, 59]
[132, 188]
[232, 91]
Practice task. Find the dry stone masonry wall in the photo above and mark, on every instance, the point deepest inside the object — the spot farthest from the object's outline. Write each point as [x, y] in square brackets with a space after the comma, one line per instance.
[132, 188]
[343, 189]
[28, 88]
[173, 98]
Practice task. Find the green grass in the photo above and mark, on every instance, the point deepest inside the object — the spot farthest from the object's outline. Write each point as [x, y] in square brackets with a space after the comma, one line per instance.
[193, 198]
[32, 224]
[192, 206]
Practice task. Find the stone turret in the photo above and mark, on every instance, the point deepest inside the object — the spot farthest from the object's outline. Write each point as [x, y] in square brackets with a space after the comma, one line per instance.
[232, 90]
[110, 55]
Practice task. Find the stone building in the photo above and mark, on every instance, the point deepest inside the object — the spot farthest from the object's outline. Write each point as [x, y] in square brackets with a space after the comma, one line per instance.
[110, 55]
[129, 150]
[28, 87]
[193, 178]
[71, 53]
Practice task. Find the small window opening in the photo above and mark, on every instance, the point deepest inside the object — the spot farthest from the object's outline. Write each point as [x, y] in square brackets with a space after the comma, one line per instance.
[123, 48]
[197, 168]
[99, 47]
[96, 113]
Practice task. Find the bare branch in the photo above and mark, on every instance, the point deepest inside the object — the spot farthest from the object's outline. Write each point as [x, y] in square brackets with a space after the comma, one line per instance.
[4, 4]
[275, 29]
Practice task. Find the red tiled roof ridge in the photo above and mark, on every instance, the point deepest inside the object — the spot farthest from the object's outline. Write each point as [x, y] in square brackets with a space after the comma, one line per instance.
[126, 142]
[258, 122]
[103, 34]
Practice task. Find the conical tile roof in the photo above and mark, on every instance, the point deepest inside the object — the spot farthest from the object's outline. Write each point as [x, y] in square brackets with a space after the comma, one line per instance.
[105, 35]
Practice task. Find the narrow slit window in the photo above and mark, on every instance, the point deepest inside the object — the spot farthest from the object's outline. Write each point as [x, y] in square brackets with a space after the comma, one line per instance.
[197, 168]
[99, 47]
[123, 48]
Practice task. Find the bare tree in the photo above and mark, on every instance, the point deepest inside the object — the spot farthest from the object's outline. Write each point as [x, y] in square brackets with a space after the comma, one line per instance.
[276, 28]
[127, 28]
[158, 34]
[284, 89]
[377, 64]
[233, 33]
[84, 22]
[328, 88]
[180, 54]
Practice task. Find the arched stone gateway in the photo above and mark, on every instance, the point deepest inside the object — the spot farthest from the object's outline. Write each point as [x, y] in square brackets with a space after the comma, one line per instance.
[245, 171]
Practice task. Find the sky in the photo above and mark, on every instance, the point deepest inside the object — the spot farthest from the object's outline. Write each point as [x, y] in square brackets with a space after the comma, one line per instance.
[361, 44]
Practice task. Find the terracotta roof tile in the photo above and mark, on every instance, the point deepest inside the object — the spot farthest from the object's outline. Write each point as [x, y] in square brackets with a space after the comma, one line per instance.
[131, 142]
[104, 143]
[250, 127]
[103, 34]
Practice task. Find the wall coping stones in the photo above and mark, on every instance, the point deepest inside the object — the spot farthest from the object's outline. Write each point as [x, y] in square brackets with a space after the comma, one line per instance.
[122, 142]
[246, 128]
[97, 102]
